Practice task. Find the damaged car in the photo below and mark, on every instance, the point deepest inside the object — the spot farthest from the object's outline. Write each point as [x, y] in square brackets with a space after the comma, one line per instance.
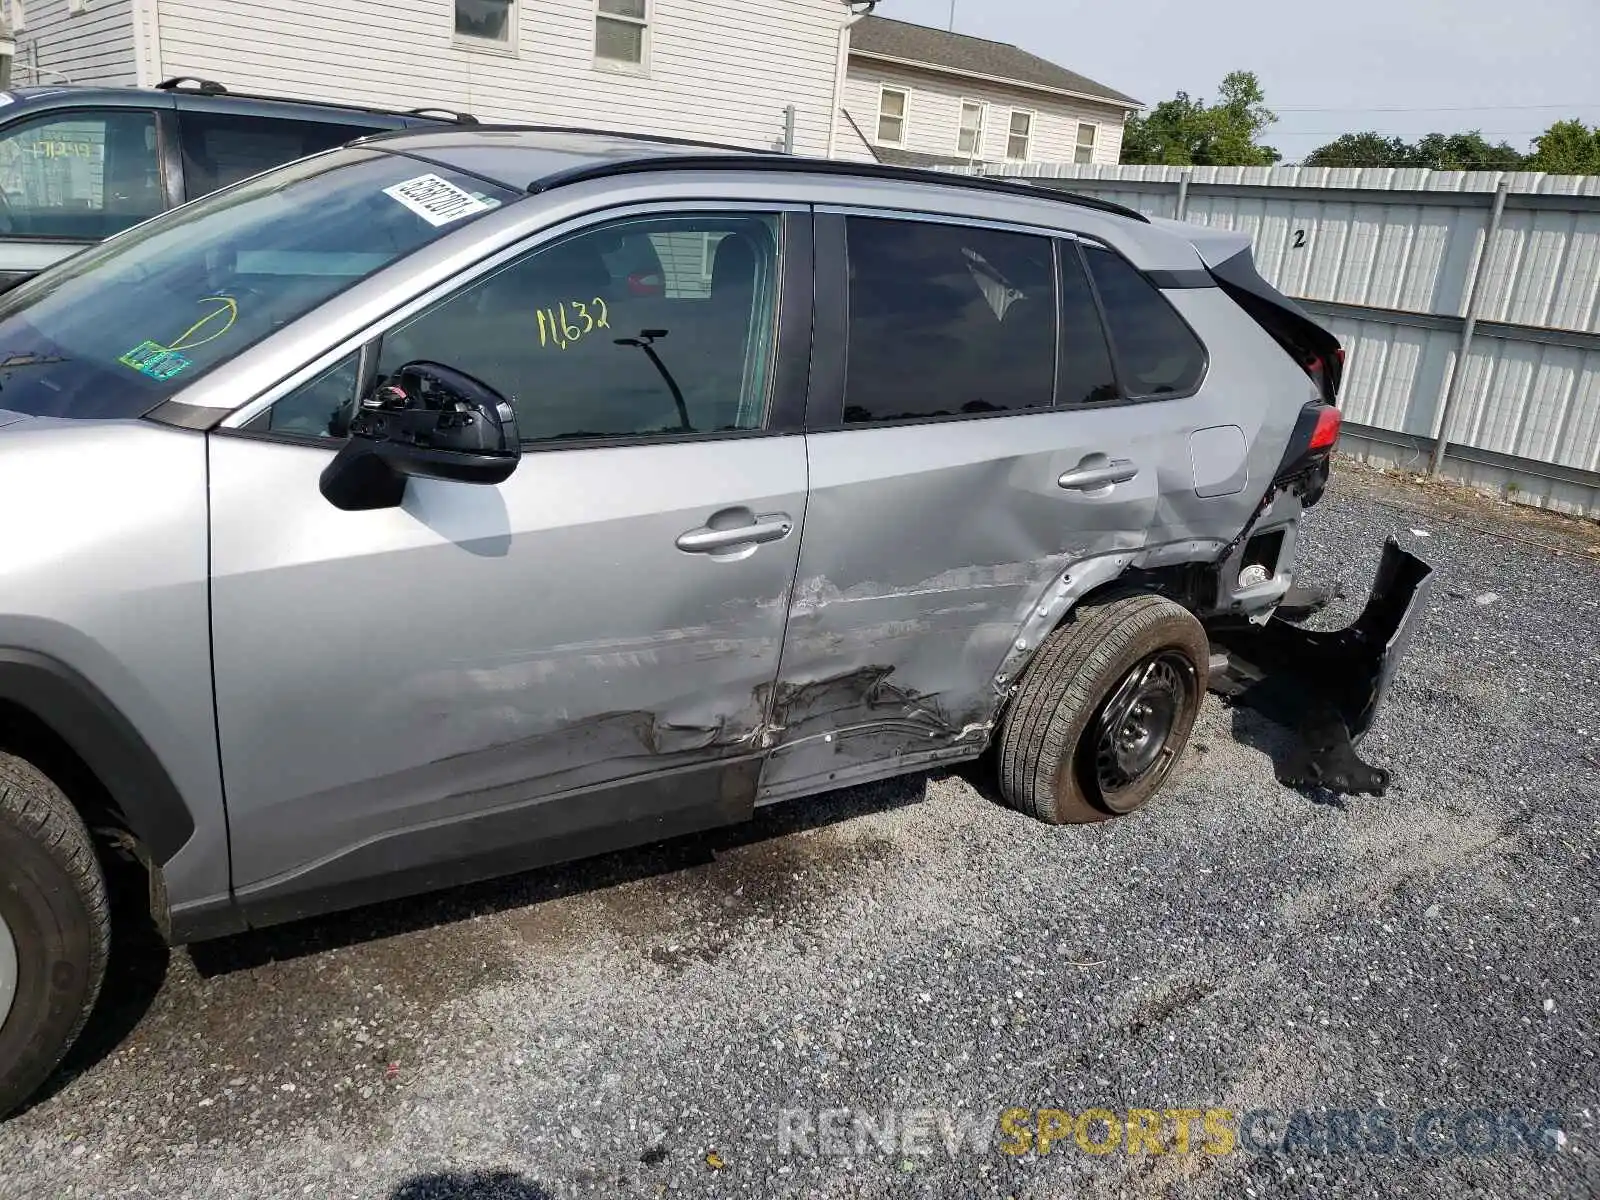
[452, 503]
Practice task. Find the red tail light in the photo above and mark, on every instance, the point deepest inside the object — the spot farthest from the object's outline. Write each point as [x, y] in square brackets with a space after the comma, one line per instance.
[647, 283]
[1330, 422]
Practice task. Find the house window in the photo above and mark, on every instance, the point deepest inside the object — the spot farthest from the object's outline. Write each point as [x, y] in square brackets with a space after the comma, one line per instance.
[621, 28]
[892, 117]
[970, 141]
[490, 20]
[1018, 143]
[1084, 151]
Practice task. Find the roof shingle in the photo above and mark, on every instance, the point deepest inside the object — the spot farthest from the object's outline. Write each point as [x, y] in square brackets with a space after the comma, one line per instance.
[973, 56]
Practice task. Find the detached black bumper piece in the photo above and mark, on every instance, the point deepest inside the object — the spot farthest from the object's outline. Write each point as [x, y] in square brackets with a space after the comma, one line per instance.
[1327, 687]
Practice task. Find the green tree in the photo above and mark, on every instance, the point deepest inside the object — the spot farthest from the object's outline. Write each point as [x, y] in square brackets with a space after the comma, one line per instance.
[1567, 148]
[1363, 150]
[1466, 152]
[1184, 131]
[1437, 151]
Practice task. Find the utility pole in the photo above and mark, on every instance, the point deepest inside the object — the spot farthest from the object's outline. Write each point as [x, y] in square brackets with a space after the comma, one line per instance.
[952, 16]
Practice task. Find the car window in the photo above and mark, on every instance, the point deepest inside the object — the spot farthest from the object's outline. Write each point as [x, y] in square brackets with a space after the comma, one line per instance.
[583, 353]
[1157, 353]
[321, 408]
[222, 148]
[117, 329]
[82, 174]
[1086, 376]
[948, 321]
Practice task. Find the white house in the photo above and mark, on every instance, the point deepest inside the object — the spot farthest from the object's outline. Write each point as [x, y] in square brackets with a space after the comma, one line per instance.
[721, 71]
[923, 97]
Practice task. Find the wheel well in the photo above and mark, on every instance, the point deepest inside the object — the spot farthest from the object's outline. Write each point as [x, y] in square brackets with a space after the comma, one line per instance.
[27, 736]
[128, 864]
[1193, 585]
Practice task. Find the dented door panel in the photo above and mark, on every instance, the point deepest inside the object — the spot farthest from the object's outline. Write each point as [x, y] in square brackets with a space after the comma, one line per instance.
[926, 549]
[396, 678]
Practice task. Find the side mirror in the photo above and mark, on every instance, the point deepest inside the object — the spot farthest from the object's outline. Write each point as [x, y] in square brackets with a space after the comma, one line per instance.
[429, 421]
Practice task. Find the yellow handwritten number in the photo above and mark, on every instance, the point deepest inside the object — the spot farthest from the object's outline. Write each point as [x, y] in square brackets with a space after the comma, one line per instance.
[557, 329]
[572, 331]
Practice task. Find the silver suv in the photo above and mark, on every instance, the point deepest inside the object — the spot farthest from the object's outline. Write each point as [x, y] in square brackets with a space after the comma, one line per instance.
[453, 503]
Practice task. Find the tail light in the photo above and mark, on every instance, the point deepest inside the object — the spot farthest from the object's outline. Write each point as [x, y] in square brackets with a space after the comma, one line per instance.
[1326, 374]
[647, 283]
[1316, 433]
[1330, 423]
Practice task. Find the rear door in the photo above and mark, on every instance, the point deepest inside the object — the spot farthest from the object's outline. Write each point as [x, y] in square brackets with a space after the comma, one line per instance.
[969, 448]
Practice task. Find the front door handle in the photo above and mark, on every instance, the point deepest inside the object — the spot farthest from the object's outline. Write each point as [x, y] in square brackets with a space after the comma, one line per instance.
[1093, 479]
[710, 540]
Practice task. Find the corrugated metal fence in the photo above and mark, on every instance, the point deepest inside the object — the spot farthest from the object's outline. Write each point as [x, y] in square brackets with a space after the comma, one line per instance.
[1393, 261]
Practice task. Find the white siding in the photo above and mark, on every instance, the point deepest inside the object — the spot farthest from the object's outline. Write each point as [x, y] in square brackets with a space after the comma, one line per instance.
[717, 71]
[933, 120]
[57, 46]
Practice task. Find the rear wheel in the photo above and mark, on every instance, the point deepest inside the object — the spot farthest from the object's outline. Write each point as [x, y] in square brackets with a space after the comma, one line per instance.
[55, 928]
[1104, 712]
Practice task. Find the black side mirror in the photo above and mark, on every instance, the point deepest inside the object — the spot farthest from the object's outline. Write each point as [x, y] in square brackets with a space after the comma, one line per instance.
[429, 421]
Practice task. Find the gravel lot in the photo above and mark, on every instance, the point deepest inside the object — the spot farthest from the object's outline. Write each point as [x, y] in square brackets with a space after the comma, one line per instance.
[633, 1026]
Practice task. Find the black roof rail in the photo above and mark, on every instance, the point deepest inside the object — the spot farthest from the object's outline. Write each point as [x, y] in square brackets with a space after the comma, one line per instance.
[206, 87]
[443, 114]
[827, 166]
[210, 87]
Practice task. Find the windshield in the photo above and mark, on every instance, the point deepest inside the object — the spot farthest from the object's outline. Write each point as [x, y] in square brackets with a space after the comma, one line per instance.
[119, 328]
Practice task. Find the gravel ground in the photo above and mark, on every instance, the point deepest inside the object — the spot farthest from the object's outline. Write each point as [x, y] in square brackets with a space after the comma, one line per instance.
[634, 1026]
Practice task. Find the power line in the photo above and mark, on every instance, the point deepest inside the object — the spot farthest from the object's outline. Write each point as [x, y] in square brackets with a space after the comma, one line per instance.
[1440, 108]
[1488, 133]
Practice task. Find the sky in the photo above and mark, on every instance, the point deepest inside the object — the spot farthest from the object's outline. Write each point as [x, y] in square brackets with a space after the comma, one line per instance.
[1402, 67]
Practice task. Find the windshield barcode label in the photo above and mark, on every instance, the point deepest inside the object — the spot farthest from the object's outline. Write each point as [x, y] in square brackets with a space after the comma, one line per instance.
[437, 201]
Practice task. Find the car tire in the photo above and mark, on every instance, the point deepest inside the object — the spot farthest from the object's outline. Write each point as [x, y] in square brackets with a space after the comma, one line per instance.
[1071, 750]
[55, 928]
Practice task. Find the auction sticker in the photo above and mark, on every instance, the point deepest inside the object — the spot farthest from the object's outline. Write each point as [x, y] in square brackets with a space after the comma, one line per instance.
[437, 201]
[155, 360]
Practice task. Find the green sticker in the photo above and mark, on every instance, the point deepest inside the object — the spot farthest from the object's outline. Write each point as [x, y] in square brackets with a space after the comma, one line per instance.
[155, 360]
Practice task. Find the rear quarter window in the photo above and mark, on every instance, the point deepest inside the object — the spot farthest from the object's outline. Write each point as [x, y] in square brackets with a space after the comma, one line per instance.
[1157, 353]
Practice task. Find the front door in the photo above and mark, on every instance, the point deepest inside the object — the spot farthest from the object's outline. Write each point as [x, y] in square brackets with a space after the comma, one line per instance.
[578, 659]
[979, 452]
[72, 177]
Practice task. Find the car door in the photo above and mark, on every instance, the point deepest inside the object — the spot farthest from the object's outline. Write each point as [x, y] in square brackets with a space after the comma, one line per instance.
[580, 658]
[71, 177]
[972, 462]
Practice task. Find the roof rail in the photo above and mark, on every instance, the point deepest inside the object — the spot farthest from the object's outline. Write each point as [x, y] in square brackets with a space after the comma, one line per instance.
[826, 166]
[206, 87]
[444, 114]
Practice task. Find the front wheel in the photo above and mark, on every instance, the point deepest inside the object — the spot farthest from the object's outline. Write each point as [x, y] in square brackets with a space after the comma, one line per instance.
[54, 928]
[1104, 712]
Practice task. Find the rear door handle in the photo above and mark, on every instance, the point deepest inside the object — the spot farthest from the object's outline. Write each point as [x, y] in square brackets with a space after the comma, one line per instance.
[717, 541]
[1093, 479]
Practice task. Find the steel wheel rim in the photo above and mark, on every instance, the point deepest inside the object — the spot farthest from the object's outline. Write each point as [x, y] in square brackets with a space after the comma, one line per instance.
[1135, 731]
[8, 970]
